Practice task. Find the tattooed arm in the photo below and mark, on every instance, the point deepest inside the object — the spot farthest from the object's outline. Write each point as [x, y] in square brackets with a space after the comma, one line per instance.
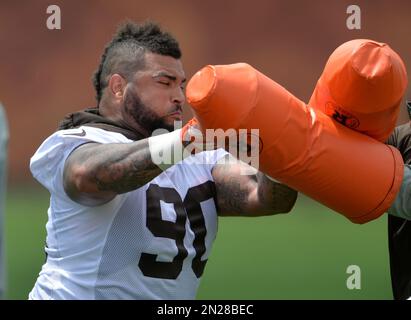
[249, 195]
[95, 173]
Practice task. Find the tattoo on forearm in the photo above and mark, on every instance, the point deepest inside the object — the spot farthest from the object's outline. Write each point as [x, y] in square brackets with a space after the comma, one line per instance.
[284, 197]
[274, 195]
[125, 174]
[122, 168]
[231, 195]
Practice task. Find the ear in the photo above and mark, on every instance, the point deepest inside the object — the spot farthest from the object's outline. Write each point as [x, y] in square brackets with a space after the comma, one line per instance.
[116, 86]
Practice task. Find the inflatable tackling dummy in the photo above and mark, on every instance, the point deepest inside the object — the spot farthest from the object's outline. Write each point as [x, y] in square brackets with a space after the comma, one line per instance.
[361, 87]
[302, 147]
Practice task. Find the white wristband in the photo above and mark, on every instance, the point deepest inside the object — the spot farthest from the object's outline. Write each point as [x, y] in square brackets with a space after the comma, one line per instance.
[167, 149]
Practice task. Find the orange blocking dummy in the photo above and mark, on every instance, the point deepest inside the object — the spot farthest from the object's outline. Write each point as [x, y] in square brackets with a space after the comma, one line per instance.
[349, 172]
[362, 86]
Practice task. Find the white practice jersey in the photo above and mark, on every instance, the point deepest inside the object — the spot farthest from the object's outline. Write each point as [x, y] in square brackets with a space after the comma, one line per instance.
[150, 243]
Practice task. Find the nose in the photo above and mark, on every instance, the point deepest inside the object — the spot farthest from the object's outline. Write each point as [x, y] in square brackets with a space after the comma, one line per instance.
[179, 96]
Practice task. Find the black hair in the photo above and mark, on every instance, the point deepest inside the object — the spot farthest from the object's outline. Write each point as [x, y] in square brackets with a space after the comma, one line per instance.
[124, 54]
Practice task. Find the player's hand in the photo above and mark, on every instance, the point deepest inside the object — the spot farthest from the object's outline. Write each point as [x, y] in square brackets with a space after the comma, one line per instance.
[194, 141]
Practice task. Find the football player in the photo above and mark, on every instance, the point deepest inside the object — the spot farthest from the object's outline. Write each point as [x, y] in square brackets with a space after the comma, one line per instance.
[120, 225]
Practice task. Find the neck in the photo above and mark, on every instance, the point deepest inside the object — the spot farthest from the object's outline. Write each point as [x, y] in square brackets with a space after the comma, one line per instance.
[113, 115]
[109, 112]
[135, 127]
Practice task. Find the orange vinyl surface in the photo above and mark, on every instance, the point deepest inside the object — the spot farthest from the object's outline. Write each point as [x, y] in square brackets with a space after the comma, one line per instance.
[349, 172]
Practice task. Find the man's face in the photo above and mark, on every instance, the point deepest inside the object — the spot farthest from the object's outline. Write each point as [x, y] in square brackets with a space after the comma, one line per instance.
[155, 97]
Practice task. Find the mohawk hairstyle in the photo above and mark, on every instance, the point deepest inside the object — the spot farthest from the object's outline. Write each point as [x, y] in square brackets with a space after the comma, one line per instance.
[124, 54]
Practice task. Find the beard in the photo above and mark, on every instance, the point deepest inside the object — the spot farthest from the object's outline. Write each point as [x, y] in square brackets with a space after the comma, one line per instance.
[142, 114]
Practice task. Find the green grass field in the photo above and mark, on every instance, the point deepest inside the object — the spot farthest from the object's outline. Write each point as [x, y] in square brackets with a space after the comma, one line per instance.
[302, 255]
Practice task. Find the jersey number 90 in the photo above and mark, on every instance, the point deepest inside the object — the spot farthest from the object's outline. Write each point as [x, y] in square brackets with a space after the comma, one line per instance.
[188, 208]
